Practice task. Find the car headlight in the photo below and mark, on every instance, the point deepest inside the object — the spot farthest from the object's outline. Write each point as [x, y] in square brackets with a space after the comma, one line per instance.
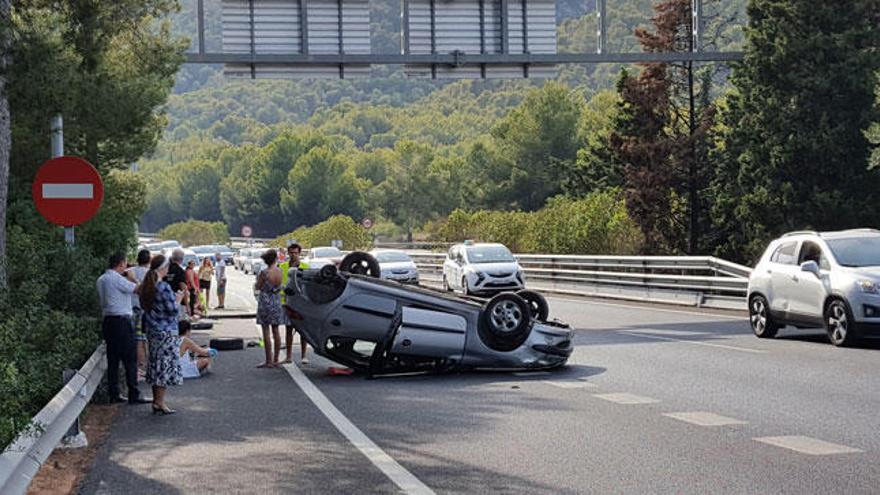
[868, 286]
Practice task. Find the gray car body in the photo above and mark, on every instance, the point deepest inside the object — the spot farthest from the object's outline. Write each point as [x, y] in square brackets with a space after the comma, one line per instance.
[417, 326]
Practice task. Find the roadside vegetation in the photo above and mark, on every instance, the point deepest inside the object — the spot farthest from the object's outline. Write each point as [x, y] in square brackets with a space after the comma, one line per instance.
[196, 232]
[106, 67]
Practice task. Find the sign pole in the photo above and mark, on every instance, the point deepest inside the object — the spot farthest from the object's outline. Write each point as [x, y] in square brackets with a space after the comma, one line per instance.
[57, 126]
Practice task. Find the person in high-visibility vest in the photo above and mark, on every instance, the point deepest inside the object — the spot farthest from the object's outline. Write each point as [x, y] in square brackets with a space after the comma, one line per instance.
[293, 252]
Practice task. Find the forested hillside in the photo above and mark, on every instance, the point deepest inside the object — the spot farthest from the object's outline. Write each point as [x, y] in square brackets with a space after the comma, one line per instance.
[376, 132]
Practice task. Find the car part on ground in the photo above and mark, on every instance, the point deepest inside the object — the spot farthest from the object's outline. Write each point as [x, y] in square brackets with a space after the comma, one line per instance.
[227, 343]
[378, 326]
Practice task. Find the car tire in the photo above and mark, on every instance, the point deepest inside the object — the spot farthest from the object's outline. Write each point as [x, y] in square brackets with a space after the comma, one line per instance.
[538, 306]
[505, 322]
[762, 323]
[328, 272]
[227, 344]
[839, 323]
[360, 263]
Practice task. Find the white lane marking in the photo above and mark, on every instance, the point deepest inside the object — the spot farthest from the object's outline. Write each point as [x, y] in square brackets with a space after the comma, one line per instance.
[652, 308]
[807, 445]
[68, 191]
[394, 471]
[531, 373]
[701, 418]
[695, 342]
[626, 398]
[571, 384]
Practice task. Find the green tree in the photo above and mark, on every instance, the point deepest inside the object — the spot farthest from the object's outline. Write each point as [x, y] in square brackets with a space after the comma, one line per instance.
[196, 232]
[537, 145]
[795, 154]
[410, 193]
[318, 186]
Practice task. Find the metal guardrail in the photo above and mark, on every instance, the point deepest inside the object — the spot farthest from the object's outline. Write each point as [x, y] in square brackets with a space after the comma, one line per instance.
[686, 280]
[21, 461]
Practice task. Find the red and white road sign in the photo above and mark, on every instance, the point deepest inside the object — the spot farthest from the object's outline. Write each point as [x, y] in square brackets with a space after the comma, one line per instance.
[246, 231]
[67, 191]
[367, 223]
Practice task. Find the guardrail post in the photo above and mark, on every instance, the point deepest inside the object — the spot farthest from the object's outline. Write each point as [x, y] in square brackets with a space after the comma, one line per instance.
[74, 438]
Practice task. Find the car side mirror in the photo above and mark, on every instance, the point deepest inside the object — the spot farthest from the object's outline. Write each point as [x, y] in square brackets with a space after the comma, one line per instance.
[810, 267]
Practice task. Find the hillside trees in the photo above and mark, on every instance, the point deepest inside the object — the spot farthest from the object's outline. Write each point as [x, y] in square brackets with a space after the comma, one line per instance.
[796, 153]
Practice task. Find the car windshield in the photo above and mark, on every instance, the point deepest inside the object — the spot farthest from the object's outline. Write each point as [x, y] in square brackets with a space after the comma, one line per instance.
[856, 251]
[326, 252]
[489, 254]
[170, 244]
[392, 257]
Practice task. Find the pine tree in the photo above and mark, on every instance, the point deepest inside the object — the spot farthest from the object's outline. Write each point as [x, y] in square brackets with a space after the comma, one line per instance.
[795, 154]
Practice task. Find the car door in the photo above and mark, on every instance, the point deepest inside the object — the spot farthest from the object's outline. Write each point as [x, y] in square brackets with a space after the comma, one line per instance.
[448, 265]
[782, 270]
[809, 291]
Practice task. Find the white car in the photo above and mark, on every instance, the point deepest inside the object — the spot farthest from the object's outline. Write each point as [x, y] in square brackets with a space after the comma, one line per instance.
[396, 265]
[827, 280]
[254, 262]
[241, 255]
[188, 255]
[320, 256]
[481, 269]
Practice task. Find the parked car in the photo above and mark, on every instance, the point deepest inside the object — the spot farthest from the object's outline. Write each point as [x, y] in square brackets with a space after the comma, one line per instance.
[188, 254]
[169, 245]
[396, 265]
[254, 263]
[320, 256]
[827, 280]
[153, 247]
[351, 316]
[481, 268]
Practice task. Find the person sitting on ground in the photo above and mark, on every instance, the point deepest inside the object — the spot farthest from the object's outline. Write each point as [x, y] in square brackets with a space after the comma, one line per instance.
[195, 360]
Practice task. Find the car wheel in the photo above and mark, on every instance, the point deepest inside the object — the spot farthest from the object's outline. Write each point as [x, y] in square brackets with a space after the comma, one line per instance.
[759, 316]
[538, 306]
[360, 263]
[839, 323]
[505, 322]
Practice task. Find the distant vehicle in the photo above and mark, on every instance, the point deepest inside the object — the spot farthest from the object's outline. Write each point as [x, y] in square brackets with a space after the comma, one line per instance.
[169, 244]
[254, 263]
[188, 254]
[396, 265]
[827, 280]
[240, 256]
[482, 268]
[352, 317]
[153, 247]
[208, 251]
[320, 256]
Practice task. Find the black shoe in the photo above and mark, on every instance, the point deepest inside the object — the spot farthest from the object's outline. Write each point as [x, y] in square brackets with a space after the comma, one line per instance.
[118, 399]
[141, 400]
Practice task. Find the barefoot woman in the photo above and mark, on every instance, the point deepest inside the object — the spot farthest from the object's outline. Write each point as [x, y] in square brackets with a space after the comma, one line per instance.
[269, 314]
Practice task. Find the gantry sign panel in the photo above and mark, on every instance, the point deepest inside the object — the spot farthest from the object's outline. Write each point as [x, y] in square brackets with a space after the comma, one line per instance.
[479, 27]
[296, 27]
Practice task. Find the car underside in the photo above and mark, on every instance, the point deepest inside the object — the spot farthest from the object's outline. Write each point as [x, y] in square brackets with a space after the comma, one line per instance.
[379, 327]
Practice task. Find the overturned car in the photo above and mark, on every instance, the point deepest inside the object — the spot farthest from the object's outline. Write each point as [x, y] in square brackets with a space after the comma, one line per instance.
[351, 316]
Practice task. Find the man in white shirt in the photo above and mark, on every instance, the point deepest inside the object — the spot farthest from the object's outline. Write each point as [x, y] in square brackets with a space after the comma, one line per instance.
[220, 274]
[115, 292]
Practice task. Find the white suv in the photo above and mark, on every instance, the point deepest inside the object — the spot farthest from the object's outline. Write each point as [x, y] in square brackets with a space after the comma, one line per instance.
[825, 280]
[481, 269]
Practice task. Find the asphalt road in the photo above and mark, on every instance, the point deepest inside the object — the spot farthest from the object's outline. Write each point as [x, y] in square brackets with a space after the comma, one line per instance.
[654, 400]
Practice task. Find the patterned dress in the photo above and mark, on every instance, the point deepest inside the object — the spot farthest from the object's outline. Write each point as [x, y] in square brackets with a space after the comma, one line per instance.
[269, 310]
[161, 325]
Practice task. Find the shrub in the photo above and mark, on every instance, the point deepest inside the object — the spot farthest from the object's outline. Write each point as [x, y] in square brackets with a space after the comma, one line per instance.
[196, 232]
[595, 224]
[339, 227]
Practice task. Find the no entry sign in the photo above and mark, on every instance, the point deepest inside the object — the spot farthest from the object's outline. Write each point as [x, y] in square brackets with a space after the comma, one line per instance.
[246, 231]
[68, 191]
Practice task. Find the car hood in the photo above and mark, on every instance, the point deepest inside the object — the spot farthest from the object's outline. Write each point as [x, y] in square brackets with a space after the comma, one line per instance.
[870, 272]
[506, 267]
[397, 265]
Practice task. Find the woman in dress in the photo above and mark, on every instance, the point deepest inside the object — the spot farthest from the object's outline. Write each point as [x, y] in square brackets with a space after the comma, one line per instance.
[206, 271]
[269, 313]
[161, 308]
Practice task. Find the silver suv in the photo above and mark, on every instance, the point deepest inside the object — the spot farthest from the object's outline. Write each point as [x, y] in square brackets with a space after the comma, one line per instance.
[825, 280]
